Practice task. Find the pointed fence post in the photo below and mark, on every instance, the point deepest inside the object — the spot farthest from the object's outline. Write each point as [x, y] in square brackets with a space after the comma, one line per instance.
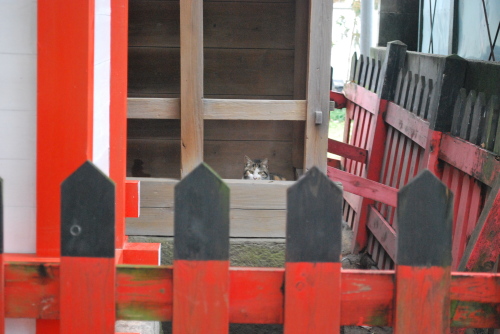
[201, 253]
[313, 246]
[87, 252]
[423, 270]
[2, 279]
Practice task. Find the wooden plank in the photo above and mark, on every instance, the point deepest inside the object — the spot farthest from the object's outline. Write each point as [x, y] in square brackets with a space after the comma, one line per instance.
[361, 96]
[191, 32]
[364, 187]
[87, 252]
[235, 24]
[382, 231]
[482, 251]
[492, 119]
[201, 254]
[228, 72]
[318, 79]
[219, 109]
[471, 159]
[132, 199]
[478, 120]
[257, 223]
[145, 293]
[407, 123]
[423, 273]
[346, 150]
[312, 269]
[465, 127]
[458, 112]
[460, 226]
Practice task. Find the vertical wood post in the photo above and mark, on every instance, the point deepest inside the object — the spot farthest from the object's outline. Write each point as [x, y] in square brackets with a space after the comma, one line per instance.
[423, 270]
[87, 275]
[313, 246]
[318, 77]
[201, 254]
[394, 61]
[2, 279]
[191, 30]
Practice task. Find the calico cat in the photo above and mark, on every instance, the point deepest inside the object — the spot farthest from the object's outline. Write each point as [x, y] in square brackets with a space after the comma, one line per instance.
[259, 170]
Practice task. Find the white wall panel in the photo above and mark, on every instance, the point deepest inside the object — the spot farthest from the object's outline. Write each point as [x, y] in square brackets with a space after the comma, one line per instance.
[18, 45]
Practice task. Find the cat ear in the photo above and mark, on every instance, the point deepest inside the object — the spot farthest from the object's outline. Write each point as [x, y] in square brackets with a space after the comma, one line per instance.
[265, 161]
[249, 161]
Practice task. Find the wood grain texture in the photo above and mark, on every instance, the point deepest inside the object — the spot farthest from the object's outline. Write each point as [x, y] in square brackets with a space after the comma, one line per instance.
[317, 96]
[407, 123]
[191, 32]
[382, 231]
[259, 223]
[364, 187]
[361, 97]
[347, 151]
[87, 298]
[145, 293]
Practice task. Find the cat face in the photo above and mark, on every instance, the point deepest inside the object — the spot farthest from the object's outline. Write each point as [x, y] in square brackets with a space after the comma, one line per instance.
[255, 169]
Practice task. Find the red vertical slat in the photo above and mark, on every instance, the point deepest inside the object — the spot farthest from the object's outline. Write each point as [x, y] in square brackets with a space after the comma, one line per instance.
[460, 228]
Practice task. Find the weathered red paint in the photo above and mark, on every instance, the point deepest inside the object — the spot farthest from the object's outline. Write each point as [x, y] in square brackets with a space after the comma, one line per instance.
[339, 99]
[407, 123]
[469, 158]
[364, 187]
[201, 296]
[422, 300]
[87, 295]
[362, 97]
[312, 297]
[256, 294]
[347, 151]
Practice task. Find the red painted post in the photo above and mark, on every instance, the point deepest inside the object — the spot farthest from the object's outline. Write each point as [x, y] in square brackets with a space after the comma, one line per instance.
[394, 61]
[423, 270]
[201, 254]
[312, 269]
[87, 272]
[118, 110]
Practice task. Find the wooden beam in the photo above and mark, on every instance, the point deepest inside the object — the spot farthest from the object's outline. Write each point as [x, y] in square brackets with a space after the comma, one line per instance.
[346, 150]
[227, 109]
[362, 97]
[191, 33]
[145, 293]
[220, 109]
[318, 78]
[383, 232]
[469, 158]
[407, 123]
[363, 187]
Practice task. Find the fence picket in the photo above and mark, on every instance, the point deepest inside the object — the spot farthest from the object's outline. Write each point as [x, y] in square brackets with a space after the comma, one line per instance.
[458, 112]
[413, 92]
[313, 245]
[399, 86]
[354, 66]
[427, 99]
[87, 252]
[467, 119]
[360, 70]
[423, 270]
[478, 120]
[419, 94]
[201, 253]
[492, 119]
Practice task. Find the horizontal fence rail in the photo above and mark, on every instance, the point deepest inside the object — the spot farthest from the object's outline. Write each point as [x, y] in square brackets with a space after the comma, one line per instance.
[312, 294]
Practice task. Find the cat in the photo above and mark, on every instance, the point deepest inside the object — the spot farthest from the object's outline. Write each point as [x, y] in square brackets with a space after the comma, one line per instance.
[259, 170]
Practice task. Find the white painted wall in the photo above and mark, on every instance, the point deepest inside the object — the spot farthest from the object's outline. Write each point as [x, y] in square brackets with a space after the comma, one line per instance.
[18, 69]
[102, 63]
[18, 22]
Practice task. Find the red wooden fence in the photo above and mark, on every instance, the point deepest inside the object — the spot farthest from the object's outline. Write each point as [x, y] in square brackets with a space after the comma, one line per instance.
[423, 127]
[312, 294]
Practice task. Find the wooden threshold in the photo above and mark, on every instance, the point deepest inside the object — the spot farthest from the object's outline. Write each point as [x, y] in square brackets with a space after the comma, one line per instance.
[220, 109]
